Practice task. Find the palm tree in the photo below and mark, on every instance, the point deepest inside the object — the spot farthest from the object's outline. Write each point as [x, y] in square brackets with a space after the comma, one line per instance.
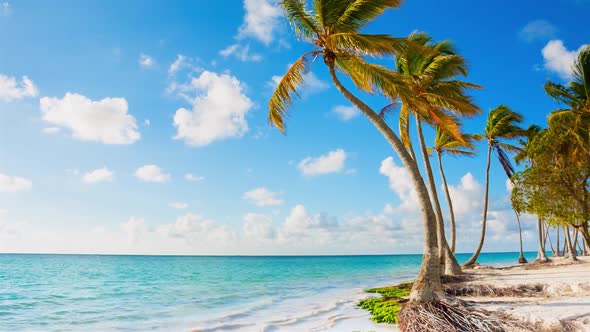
[434, 91]
[574, 121]
[446, 144]
[333, 28]
[524, 154]
[502, 125]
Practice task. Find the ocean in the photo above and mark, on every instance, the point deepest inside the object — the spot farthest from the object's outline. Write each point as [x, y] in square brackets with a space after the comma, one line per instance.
[197, 293]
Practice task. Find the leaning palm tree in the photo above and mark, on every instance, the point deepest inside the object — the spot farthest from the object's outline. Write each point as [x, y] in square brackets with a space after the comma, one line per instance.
[447, 144]
[333, 29]
[501, 127]
[434, 90]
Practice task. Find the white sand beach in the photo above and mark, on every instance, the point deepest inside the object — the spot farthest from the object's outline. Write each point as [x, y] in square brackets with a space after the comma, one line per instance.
[566, 294]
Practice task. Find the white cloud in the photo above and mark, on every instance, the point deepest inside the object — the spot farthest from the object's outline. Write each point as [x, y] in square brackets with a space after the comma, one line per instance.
[151, 173]
[262, 197]
[14, 183]
[299, 221]
[11, 89]
[467, 196]
[178, 205]
[193, 178]
[401, 183]
[105, 121]
[5, 8]
[177, 65]
[332, 162]
[98, 175]
[261, 20]
[538, 30]
[196, 229]
[241, 52]
[346, 113]
[258, 226]
[558, 59]
[135, 228]
[51, 130]
[146, 61]
[218, 110]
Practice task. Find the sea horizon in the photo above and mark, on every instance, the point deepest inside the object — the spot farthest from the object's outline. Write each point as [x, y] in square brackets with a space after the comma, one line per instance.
[199, 293]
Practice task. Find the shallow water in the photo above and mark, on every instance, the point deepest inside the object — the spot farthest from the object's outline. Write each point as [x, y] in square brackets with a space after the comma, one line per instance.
[202, 293]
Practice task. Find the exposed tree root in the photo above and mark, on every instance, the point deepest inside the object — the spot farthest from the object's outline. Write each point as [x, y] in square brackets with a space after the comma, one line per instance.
[489, 290]
[443, 316]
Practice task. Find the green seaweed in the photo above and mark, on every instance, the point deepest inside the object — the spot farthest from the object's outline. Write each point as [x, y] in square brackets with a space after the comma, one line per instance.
[385, 309]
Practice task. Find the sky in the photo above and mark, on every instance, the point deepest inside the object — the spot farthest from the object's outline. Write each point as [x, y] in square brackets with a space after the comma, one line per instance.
[137, 127]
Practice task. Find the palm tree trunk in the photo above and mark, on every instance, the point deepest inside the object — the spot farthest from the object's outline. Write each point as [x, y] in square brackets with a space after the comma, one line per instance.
[541, 254]
[571, 250]
[448, 260]
[553, 253]
[557, 243]
[427, 286]
[471, 261]
[585, 236]
[449, 203]
[521, 259]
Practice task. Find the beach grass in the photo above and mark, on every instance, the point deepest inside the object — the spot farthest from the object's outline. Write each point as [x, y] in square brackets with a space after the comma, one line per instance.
[385, 309]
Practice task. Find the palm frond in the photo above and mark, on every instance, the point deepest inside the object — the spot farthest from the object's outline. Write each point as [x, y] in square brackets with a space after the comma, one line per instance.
[282, 98]
[360, 12]
[366, 45]
[404, 126]
[582, 70]
[300, 18]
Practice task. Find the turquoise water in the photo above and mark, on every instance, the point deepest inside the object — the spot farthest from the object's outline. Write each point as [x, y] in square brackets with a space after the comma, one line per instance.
[194, 293]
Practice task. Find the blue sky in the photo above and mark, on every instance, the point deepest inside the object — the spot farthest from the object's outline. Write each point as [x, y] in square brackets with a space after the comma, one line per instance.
[129, 127]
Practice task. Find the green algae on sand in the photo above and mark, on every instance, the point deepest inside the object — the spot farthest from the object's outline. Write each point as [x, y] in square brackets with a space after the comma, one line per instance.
[385, 309]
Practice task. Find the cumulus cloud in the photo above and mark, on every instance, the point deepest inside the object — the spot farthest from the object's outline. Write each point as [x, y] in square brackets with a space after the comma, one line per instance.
[146, 61]
[151, 173]
[258, 226]
[14, 183]
[467, 196]
[178, 205]
[218, 112]
[135, 228]
[538, 30]
[11, 89]
[262, 197]
[299, 221]
[559, 59]
[241, 53]
[345, 113]
[401, 183]
[105, 121]
[332, 162]
[195, 228]
[98, 175]
[193, 178]
[261, 21]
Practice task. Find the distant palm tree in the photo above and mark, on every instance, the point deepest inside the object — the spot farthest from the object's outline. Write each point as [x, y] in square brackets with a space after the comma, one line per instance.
[446, 144]
[333, 29]
[433, 92]
[502, 126]
[524, 155]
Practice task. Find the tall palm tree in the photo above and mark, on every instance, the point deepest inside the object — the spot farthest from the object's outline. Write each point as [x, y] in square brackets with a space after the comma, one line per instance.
[447, 144]
[433, 92]
[524, 154]
[502, 126]
[333, 29]
[574, 120]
